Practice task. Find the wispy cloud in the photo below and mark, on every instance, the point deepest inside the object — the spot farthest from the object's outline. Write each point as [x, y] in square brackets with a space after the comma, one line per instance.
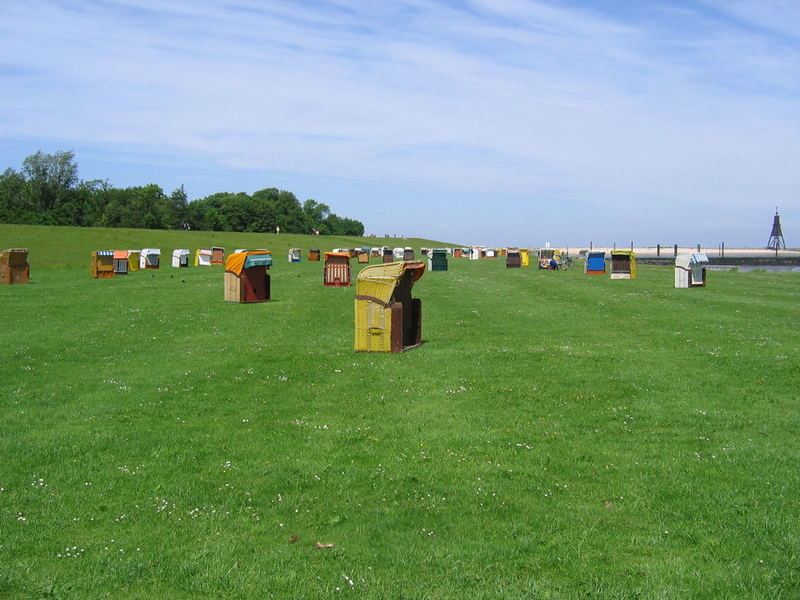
[548, 103]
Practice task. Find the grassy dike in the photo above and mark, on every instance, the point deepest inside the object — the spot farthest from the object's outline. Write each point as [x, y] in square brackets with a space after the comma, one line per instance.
[59, 247]
[556, 436]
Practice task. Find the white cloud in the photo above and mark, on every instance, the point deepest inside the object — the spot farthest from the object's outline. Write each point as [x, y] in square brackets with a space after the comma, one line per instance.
[527, 100]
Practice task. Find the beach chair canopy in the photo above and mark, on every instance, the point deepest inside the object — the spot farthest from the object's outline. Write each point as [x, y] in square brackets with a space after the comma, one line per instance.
[149, 256]
[623, 254]
[696, 258]
[180, 257]
[14, 256]
[238, 261]
[595, 261]
[378, 282]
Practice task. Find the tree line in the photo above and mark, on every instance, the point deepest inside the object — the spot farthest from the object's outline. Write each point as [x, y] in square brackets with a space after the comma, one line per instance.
[48, 191]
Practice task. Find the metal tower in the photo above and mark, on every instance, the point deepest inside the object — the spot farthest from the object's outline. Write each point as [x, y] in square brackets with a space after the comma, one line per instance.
[776, 238]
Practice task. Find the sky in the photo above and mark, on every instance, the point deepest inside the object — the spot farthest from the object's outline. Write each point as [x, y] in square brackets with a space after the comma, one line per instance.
[493, 122]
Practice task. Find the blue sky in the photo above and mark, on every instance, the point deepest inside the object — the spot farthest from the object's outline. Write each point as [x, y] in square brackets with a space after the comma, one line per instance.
[496, 122]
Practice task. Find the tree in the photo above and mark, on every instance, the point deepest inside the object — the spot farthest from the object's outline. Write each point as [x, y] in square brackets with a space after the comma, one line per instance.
[213, 220]
[48, 178]
[92, 196]
[289, 215]
[176, 208]
[118, 210]
[141, 207]
[352, 227]
[12, 205]
[316, 211]
[265, 214]
[336, 225]
[47, 191]
[238, 210]
[149, 207]
[196, 214]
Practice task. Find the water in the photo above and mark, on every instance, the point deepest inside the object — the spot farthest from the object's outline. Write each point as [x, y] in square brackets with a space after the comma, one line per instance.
[743, 268]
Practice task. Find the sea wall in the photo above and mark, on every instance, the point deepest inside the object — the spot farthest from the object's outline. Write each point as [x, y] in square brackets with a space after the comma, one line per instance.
[732, 261]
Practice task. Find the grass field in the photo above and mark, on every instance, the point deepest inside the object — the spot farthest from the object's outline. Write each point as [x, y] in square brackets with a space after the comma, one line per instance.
[60, 247]
[556, 436]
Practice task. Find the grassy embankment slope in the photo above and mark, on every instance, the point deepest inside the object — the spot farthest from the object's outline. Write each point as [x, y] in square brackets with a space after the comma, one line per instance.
[557, 436]
[71, 246]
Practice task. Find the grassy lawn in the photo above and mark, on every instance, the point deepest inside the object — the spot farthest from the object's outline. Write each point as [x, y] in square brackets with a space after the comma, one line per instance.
[556, 436]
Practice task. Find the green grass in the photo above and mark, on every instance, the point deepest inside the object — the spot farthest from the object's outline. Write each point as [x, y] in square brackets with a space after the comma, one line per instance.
[556, 436]
[72, 246]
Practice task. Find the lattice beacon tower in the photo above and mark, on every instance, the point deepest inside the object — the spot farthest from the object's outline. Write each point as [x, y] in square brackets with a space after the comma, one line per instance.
[776, 237]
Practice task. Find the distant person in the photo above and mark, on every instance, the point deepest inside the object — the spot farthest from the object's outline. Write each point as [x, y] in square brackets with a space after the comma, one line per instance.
[278, 229]
[554, 264]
